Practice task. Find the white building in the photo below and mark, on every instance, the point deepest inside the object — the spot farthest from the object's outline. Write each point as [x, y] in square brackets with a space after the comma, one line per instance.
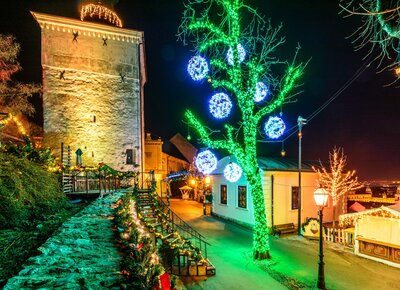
[233, 201]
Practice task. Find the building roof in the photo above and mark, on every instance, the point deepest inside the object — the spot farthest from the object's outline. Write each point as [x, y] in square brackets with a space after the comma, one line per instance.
[350, 219]
[170, 149]
[271, 164]
[184, 146]
[284, 164]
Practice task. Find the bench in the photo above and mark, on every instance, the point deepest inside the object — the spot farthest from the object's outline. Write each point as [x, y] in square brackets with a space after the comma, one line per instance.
[278, 230]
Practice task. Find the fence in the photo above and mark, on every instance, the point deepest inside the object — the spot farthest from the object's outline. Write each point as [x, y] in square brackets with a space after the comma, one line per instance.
[341, 236]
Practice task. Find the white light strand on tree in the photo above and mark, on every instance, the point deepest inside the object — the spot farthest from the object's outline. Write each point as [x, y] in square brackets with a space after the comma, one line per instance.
[241, 51]
[232, 172]
[261, 92]
[274, 127]
[206, 162]
[198, 68]
[337, 181]
[220, 105]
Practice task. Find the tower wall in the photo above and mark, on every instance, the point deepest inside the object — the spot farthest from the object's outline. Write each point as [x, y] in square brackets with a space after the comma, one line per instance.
[92, 90]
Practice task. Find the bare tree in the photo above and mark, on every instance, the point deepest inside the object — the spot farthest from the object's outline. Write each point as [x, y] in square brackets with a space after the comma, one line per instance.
[337, 181]
[379, 32]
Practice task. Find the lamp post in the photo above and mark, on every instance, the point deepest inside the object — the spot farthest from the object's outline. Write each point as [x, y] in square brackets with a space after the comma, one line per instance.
[321, 199]
[300, 122]
[207, 181]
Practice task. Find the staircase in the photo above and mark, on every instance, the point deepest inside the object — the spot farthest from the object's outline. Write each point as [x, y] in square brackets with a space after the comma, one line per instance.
[66, 175]
[191, 257]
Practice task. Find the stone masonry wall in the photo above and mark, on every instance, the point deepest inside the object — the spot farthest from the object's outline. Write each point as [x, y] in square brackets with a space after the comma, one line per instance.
[91, 94]
[80, 255]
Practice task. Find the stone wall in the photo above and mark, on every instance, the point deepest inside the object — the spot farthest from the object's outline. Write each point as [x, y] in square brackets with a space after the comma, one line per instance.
[80, 255]
[92, 90]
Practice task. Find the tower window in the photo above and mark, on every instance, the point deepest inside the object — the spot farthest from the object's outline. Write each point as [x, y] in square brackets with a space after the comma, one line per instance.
[129, 156]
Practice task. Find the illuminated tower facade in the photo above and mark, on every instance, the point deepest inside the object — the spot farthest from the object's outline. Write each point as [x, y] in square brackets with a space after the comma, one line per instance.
[93, 78]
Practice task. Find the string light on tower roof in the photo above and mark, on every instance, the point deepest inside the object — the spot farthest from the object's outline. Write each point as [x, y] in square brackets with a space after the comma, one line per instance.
[101, 12]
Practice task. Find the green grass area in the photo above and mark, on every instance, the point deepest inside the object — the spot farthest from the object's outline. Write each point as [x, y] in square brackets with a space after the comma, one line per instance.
[32, 207]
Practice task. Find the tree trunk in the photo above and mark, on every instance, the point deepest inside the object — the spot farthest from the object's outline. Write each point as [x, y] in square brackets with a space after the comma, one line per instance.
[334, 222]
[260, 234]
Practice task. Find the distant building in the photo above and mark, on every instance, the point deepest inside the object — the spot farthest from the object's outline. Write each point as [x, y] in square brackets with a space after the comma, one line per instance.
[233, 201]
[163, 157]
[372, 196]
[93, 78]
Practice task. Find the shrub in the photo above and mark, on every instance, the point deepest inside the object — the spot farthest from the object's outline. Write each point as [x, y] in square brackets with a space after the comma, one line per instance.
[27, 192]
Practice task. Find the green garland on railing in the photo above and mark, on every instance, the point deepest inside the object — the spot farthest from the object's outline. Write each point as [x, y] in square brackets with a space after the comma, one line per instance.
[140, 266]
[184, 246]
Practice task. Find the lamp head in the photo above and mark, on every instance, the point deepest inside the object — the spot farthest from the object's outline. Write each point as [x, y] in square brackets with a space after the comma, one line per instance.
[321, 197]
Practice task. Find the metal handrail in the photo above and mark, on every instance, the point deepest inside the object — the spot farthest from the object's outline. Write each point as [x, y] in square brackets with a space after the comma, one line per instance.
[174, 217]
[183, 228]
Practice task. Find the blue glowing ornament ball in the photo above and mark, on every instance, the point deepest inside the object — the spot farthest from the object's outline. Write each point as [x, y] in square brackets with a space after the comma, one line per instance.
[241, 51]
[206, 162]
[274, 127]
[232, 172]
[261, 92]
[220, 105]
[197, 68]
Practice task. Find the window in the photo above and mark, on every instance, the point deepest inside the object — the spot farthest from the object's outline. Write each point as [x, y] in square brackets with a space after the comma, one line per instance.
[129, 156]
[242, 196]
[295, 197]
[224, 194]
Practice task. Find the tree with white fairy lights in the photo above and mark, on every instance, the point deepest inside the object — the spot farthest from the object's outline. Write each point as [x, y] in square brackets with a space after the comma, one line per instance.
[236, 60]
[380, 30]
[337, 181]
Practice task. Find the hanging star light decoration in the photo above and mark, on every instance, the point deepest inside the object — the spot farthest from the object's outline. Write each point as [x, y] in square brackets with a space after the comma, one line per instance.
[274, 127]
[198, 68]
[101, 12]
[220, 105]
[242, 54]
[261, 92]
[206, 162]
[232, 172]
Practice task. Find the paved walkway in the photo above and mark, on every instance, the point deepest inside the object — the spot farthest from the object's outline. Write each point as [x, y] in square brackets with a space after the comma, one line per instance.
[292, 257]
[80, 255]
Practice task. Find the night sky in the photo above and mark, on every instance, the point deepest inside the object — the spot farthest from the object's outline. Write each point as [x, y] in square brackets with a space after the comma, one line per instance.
[364, 119]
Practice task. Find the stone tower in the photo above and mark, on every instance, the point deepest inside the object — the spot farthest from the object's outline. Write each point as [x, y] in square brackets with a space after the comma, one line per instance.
[93, 78]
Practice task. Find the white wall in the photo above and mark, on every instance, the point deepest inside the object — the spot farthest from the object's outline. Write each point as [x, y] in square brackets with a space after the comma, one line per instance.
[231, 210]
[282, 187]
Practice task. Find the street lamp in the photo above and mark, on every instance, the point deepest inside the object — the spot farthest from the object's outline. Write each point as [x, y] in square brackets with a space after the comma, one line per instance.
[321, 199]
[207, 181]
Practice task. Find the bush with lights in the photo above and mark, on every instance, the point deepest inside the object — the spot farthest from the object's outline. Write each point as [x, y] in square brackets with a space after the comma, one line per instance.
[140, 266]
[236, 59]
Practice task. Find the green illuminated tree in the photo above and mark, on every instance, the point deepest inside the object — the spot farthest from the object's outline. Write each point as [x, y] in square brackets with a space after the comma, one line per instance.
[380, 30]
[213, 27]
